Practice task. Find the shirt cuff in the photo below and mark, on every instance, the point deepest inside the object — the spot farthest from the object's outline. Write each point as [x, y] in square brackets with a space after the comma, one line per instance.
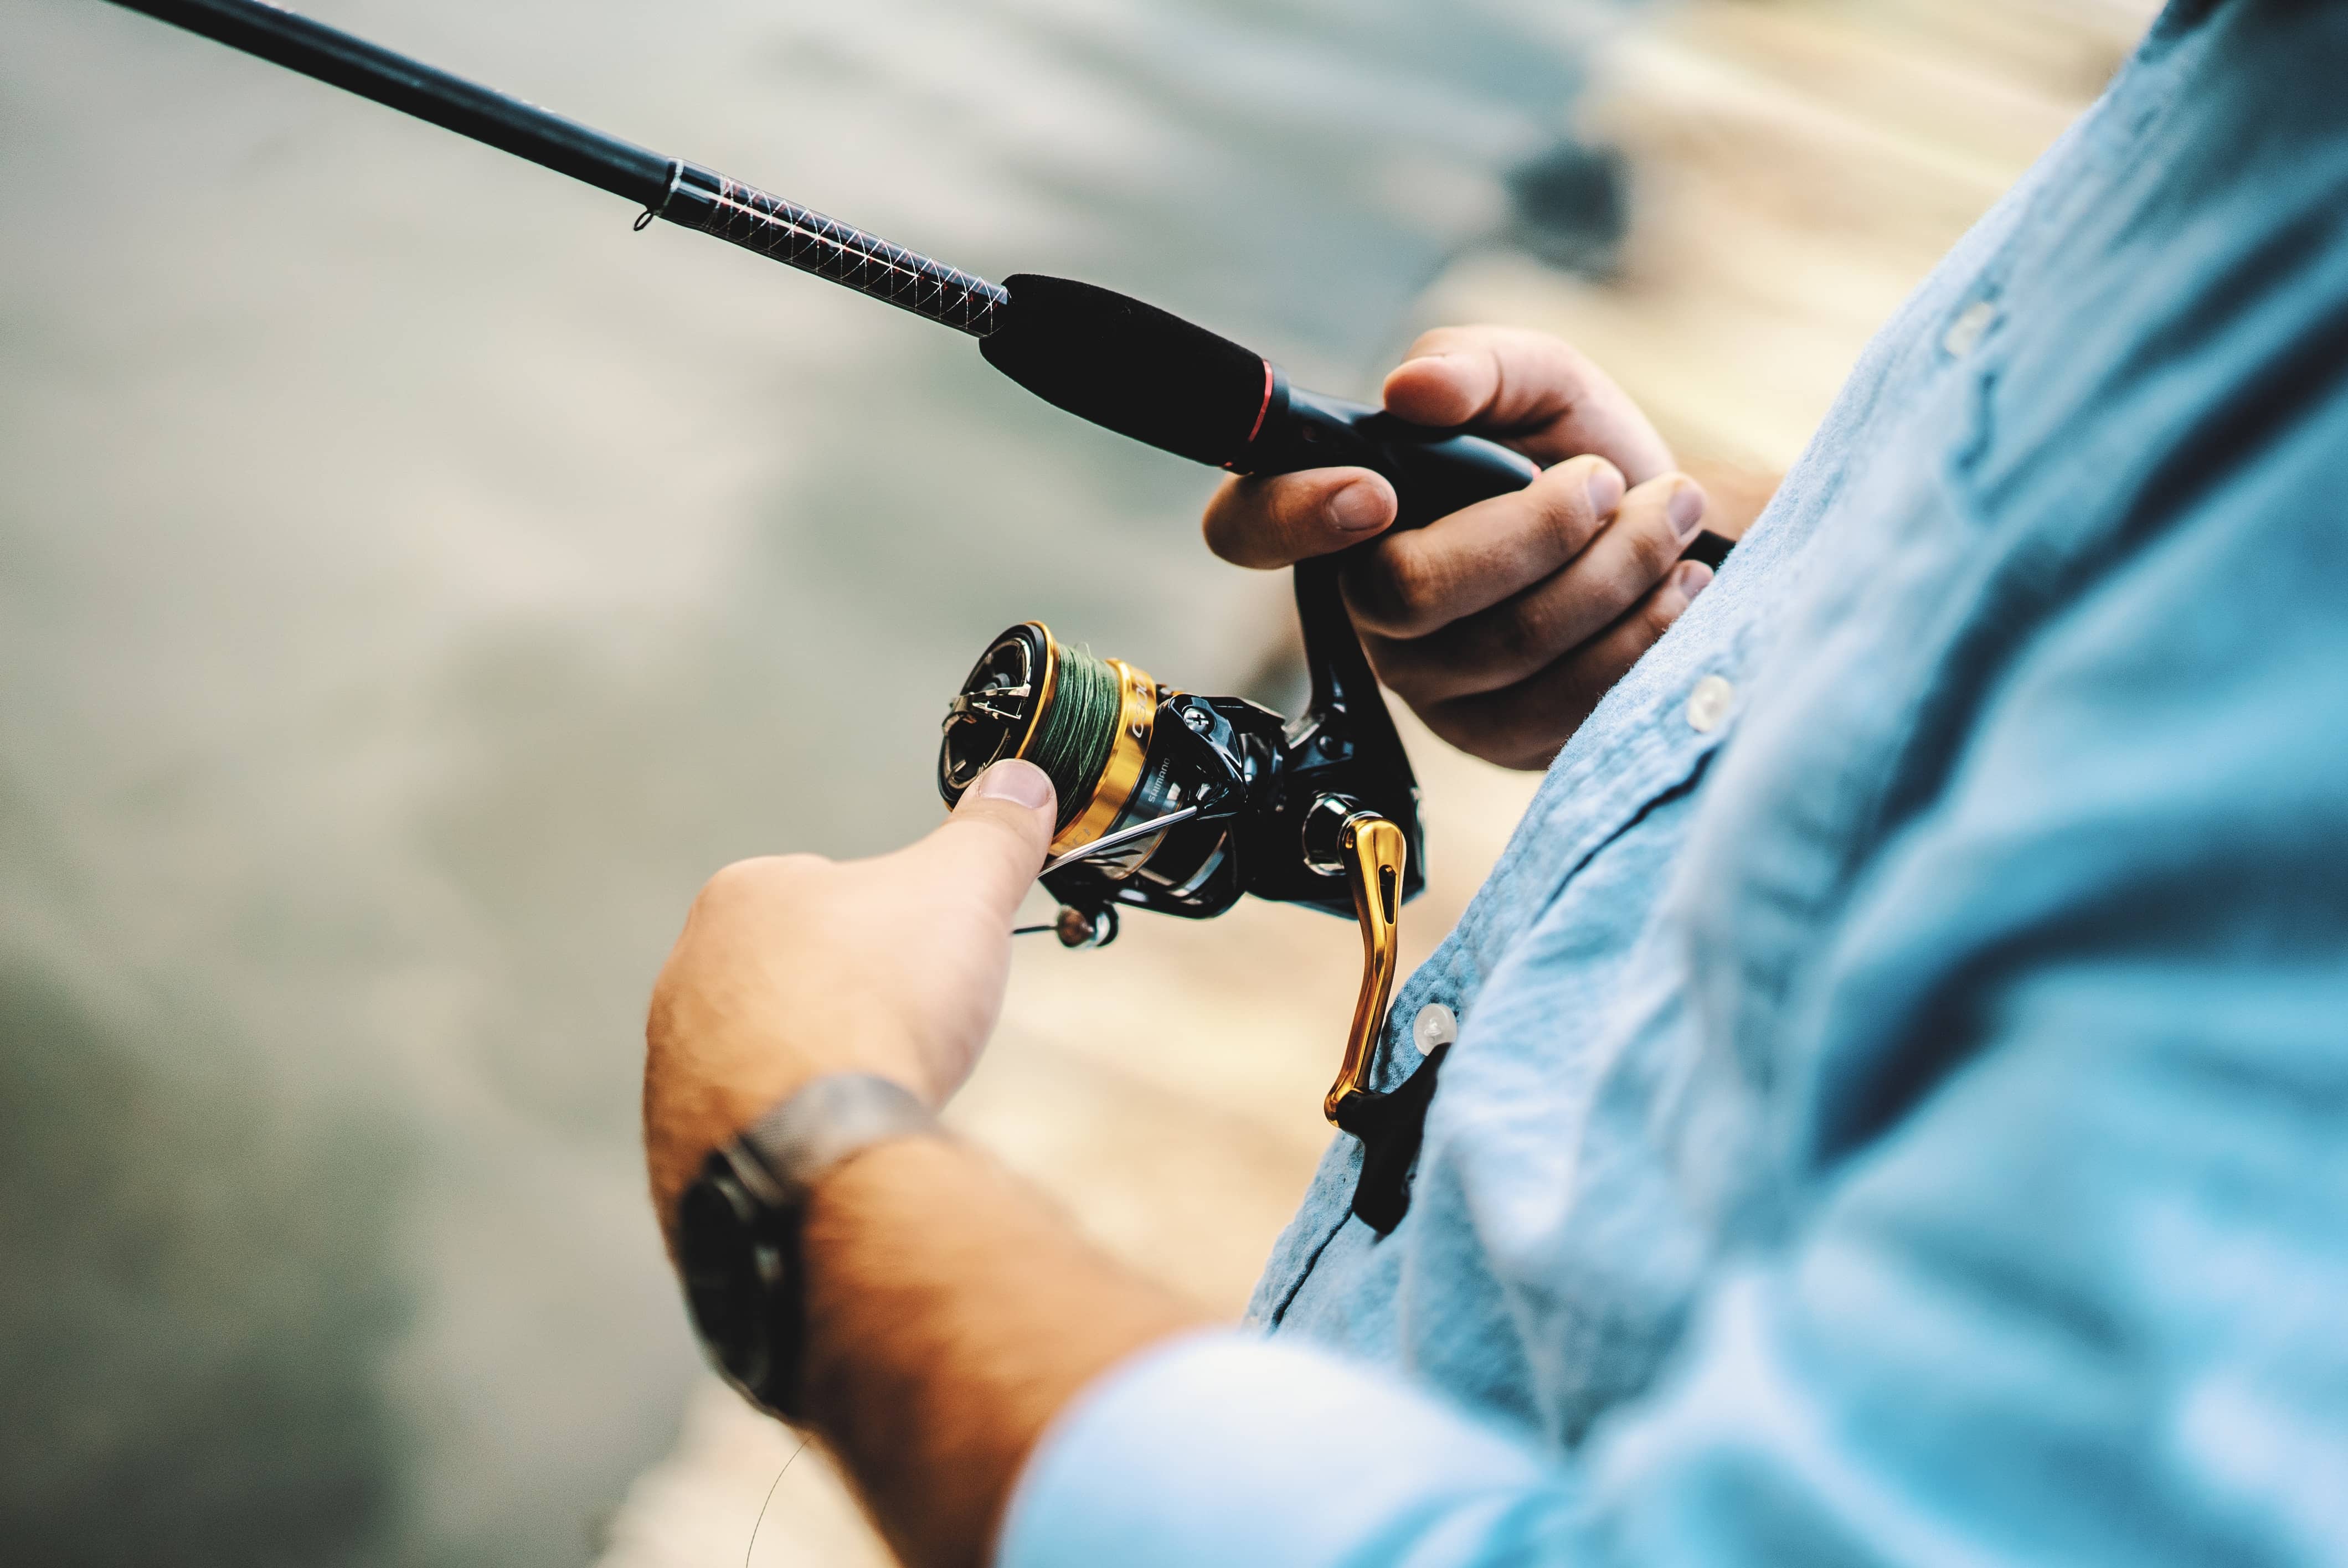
[1223, 1447]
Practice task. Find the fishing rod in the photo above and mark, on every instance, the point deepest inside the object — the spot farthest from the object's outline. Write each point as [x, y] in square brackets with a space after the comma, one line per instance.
[1169, 801]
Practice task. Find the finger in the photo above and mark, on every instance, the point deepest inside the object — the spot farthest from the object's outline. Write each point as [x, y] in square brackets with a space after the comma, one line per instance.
[1526, 632]
[1524, 724]
[993, 847]
[1413, 582]
[1539, 393]
[1279, 519]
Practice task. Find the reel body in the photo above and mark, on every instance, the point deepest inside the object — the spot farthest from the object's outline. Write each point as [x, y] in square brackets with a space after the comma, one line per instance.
[1255, 803]
[1180, 804]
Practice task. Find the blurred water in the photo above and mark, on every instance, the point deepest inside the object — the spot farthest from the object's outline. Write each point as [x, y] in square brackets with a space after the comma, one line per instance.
[412, 584]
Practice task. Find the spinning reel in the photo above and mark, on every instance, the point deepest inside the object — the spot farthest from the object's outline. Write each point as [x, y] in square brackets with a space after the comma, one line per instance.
[1179, 803]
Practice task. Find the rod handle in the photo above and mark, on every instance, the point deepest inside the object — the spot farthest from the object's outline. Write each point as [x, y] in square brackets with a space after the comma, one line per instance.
[1434, 472]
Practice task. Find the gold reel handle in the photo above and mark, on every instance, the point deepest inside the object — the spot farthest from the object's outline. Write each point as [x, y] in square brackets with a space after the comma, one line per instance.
[1374, 852]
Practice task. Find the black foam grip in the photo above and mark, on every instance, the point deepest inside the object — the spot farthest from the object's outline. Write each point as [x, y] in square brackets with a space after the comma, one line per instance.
[1131, 367]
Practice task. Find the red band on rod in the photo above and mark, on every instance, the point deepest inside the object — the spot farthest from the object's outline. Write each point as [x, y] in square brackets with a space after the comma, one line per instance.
[1265, 407]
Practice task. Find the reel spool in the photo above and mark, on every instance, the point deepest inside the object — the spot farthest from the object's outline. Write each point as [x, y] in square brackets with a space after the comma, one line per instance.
[1178, 803]
[1087, 723]
[1123, 752]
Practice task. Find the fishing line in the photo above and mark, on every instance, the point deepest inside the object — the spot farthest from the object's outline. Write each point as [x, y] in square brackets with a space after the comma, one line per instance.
[771, 1498]
[1073, 732]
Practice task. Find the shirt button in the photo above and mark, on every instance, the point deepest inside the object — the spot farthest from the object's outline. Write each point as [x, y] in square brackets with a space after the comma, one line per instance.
[1435, 1025]
[1708, 704]
[1964, 334]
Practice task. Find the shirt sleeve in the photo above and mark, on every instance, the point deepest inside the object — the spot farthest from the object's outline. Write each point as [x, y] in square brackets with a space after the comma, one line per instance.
[1225, 1448]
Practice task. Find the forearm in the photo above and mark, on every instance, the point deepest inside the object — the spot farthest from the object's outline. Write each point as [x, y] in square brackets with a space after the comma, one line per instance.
[950, 1315]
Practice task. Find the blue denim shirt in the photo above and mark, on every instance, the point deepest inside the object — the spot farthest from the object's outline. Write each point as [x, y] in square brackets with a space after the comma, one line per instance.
[1900, 1113]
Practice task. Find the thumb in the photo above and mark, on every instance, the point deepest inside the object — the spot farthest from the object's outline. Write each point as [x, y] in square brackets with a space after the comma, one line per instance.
[996, 841]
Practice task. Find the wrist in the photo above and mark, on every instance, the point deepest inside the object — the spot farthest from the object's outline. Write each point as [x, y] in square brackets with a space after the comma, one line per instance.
[739, 1224]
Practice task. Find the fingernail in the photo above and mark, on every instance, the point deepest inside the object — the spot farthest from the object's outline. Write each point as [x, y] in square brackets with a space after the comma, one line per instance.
[1605, 488]
[1686, 508]
[1021, 782]
[1357, 508]
[1692, 577]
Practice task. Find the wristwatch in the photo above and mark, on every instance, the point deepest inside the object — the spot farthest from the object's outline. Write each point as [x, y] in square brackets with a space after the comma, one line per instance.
[738, 1226]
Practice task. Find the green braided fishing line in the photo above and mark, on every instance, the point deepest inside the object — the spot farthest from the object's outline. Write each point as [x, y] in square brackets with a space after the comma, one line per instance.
[1074, 735]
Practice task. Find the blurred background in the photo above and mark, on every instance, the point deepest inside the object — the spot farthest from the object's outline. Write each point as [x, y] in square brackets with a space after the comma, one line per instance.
[413, 584]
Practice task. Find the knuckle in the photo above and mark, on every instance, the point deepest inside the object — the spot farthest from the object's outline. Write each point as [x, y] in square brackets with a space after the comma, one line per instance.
[1574, 363]
[1564, 514]
[733, 884]
[746, 882]
[1416, 695]
[1654, 547]
[1579, 467]
[1413, 589]
[1587, 470]
[1446, 340]
[1659, 615]
[1408, 677]
[661, 1013]
[1507, 728]
[1515, 637]
[1433, 341]
[1233, 520]
[1462, 725]
[787, 871]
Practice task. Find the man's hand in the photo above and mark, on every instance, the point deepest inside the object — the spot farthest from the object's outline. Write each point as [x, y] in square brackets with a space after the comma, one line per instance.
[950, 1313]
[1504, 623]
[795, 965]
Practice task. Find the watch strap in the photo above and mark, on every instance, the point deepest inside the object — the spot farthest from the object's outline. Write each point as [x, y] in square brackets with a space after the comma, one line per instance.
[740, 1225]
[785, 1152]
